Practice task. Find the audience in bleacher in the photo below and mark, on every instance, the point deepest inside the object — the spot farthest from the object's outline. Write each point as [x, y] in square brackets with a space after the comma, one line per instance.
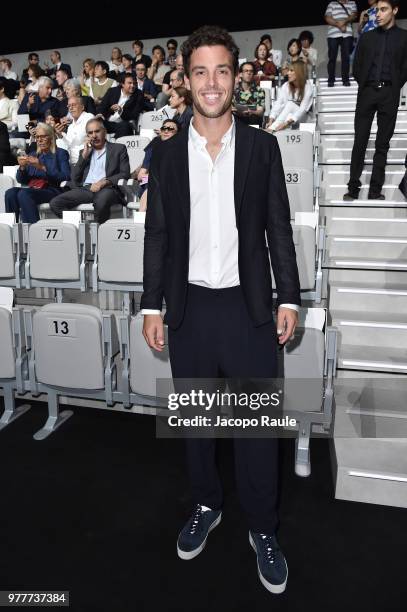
[33, 60]
[95, 176]
[120, 106]
[274, 55]
[168, 129]
[146, 86]
[100, 83]
[339, 16]
[57, 64]
[5, 69]
[6, 105]
[128, 64]
[173, 78]
[265, 69]
[181, 102]
[88, 72]
[249, 98]
[368, 18]
[172, 47]
[294, 50]
[36, 104]
[294, 100]
[73, 139]
[158, 68]
[34, 73]
[41, 175]
[115, 64]
[72, 88]
[139, 56]
[308, 54]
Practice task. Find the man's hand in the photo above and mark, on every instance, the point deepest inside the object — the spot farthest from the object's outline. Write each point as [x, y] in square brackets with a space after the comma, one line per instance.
[287, 320]
[31, 100]
[95, 187]
[153, 331]
[115, 107]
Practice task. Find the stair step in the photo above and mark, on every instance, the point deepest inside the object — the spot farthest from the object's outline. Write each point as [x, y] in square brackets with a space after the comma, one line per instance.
[380, 278]
[373, 359]
[388, 248]
[370, 329]
[357, 297]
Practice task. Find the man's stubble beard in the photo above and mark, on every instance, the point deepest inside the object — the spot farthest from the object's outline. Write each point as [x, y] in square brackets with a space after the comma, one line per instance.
[215, 115]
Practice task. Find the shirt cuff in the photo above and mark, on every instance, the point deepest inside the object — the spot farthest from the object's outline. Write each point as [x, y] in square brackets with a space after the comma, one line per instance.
[146, 311]
[292, 306]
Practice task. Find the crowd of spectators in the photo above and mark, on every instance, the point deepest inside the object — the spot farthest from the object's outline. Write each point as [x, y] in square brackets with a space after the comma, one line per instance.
[67, 113]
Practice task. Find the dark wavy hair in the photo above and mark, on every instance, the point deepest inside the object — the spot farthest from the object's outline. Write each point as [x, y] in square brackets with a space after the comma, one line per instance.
[209, 36]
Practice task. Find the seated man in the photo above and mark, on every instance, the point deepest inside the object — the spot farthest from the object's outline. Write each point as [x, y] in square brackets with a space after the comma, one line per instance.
[55, 57]
[95, 177]
[120, 106]
[5, 67]
[72, 89]
[61, 78]
[249, 99]
[33, 60]
[146, 86]
[37, 104]
[74, 138]
[171, 80]
[100, 84]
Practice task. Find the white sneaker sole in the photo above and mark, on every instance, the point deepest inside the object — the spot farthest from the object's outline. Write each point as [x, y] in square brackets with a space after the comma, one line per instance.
[187, 556]
[273, 588]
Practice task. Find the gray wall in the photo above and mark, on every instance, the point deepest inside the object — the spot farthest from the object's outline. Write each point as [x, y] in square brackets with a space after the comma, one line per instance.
[246, 41]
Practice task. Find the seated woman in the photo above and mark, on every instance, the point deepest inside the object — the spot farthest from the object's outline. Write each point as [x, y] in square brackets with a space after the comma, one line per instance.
[181, 102]
[42, 174]
[294, 49]
[6, 106]
[115, 64]
[86, 77]
[294, 99]
[168, 129]
[265, 69]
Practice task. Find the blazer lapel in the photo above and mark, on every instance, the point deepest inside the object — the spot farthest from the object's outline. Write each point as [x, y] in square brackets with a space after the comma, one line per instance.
[244, 140]
[181, 175]
[108, 158]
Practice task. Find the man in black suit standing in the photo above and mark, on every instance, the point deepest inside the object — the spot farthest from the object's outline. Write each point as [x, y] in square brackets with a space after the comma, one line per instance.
[380, 68]
[96, 175]
[121, 105]
[215, 191]
[57, 64]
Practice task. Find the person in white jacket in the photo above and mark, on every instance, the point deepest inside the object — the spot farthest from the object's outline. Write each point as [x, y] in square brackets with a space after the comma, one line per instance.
[294, 99]
[74, 138]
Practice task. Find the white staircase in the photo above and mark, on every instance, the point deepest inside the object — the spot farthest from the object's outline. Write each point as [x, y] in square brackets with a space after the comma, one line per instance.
[366, 267]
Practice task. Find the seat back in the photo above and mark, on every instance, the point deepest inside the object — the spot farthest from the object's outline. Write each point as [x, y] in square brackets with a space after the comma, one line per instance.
[300, 189]
[304, 241]
[120, 250]
[135, 148]
[6, 182]
[297, 149]
[152, 120]
[68, 346]
[53, 248]
[7, 352]
[7, 253]
[146, 365]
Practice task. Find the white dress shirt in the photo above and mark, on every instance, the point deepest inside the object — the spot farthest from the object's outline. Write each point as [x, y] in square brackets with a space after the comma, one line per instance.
[122, 101]
[213, 235]
[75, 136]
[97, 169]
[6, 111]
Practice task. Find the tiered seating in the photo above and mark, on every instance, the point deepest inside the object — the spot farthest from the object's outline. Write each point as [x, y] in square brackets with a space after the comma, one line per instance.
[11, 251]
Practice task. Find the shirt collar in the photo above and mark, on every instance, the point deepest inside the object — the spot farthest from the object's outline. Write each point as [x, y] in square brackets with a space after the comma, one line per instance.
[97, 154]
[200, 142]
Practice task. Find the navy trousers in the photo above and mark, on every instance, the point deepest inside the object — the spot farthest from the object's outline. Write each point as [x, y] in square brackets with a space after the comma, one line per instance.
[24, 202]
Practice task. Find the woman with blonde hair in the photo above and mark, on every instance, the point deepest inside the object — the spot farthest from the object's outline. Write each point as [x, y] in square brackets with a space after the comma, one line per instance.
[42, 174]
[294, 99]
[115, 64]
[88, 71]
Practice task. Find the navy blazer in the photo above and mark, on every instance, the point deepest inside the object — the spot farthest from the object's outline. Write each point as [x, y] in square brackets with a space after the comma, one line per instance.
[57, 169]
[261, 207]
[39, 108]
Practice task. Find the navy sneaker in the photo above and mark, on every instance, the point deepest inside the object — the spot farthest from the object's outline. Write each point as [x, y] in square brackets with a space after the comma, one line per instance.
[192, 538]
[271, 563]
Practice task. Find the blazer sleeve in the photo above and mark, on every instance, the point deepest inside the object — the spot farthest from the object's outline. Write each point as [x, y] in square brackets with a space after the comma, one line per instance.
[23, 110]
[280, 234]
[122, 168]
[403, 71]
[155, 243]
[59, 170]
[78, 170]
[358, 59]
[133, 107]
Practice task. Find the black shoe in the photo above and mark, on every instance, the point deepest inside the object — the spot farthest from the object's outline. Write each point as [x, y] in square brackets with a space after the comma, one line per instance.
[271, 563]
[346, 83]
[192, 538]
[331, 83]
[351, 195]
[376, 196]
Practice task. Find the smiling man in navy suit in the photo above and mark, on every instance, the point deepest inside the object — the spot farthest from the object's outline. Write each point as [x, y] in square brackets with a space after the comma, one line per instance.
[216, 191]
